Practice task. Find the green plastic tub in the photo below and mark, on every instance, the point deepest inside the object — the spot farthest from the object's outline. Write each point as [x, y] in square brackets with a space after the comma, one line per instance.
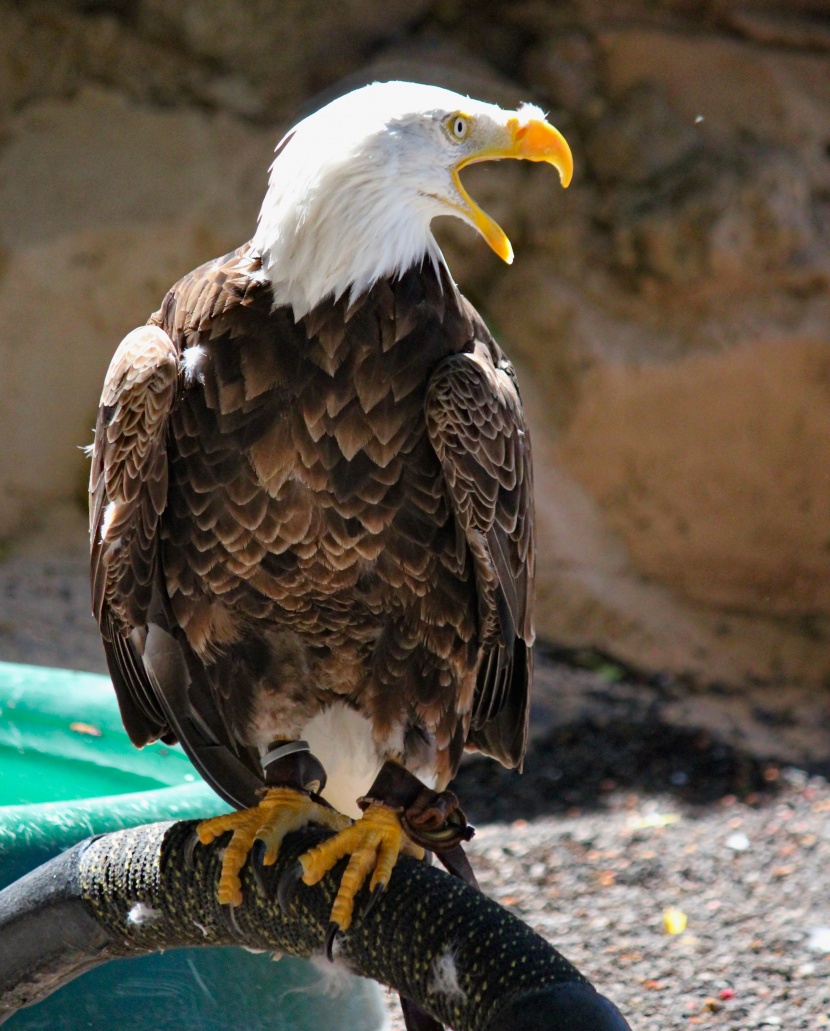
[68, 770]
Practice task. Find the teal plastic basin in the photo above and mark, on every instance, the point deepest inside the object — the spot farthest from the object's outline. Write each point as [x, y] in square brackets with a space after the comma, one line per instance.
[71, 723]
[68, 770]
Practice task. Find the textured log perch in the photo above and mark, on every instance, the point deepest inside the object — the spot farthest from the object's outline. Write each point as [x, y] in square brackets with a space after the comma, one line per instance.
[458, 954]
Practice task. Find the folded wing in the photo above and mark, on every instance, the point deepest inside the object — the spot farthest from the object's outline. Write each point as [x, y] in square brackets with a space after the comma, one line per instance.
[128, 493]
[476, 425]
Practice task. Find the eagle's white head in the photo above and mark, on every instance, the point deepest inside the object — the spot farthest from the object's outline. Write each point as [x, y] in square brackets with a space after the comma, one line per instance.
[354, 186]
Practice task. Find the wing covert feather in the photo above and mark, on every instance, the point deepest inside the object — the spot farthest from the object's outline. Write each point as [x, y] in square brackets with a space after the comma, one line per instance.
[128, 478]
[127, 494]
[477, 428]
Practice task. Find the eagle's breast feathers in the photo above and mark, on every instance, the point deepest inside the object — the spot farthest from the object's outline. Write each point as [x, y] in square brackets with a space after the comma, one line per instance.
[328, 506]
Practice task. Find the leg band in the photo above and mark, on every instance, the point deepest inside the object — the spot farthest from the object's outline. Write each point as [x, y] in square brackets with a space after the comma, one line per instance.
[290, 764]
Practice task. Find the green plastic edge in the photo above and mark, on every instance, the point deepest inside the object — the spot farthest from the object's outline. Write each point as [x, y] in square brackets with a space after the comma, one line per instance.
[39, 706]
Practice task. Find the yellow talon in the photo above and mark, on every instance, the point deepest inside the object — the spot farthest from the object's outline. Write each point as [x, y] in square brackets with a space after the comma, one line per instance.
[281, 811]
[374, 843]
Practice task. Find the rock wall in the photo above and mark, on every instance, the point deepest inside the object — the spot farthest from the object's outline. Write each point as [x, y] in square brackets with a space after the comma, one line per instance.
[669, 314]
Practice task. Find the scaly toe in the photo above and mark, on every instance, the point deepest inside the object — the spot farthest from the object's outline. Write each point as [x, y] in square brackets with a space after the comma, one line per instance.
[281, 811]
[243, 825]
[286, 811]
[373, 843]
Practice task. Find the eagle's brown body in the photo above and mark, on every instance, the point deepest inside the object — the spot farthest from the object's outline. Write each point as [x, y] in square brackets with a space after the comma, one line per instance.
[337, 510]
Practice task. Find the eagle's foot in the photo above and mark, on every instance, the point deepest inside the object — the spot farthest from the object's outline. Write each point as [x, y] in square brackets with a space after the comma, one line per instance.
[281, 811]
[374, 843]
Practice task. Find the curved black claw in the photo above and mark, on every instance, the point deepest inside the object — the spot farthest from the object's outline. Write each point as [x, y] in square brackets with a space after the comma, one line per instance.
[257, 854]
[328, 945]
[288, 882]
[229, 919]
[190, 848]
[377, 891]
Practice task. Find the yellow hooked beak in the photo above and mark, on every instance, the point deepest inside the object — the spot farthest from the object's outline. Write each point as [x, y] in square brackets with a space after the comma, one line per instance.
[533, 140]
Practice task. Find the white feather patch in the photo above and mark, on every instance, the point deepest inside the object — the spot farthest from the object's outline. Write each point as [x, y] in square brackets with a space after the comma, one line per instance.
[193, 360]
[110, 513]
[342, 740]
[140, 913]
[444, 979]
[335, 976]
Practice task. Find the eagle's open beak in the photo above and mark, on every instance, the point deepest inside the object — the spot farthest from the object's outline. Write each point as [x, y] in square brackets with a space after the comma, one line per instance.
[532, 140]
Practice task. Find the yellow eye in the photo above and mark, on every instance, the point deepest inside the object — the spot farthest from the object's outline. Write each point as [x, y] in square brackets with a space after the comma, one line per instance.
[458, 126]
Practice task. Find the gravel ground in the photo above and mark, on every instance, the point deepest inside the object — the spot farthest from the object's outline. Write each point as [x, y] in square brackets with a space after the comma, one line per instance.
[643, 811]
[45, 616]
[603, 875]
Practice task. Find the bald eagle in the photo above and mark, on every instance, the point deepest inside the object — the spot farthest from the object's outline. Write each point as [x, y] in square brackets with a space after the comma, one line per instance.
[311, 506]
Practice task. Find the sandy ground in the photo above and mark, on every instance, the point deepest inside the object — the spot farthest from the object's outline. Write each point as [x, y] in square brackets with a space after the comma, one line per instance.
[675, 846]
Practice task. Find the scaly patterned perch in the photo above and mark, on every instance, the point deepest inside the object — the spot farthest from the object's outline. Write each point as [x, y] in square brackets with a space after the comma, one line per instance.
[453, 951]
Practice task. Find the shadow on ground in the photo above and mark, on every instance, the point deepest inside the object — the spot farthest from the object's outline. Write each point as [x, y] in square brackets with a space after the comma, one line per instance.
[579, 765]
[598, 733]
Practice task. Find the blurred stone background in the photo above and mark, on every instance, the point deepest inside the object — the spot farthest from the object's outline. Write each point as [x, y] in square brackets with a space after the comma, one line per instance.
[669, 313]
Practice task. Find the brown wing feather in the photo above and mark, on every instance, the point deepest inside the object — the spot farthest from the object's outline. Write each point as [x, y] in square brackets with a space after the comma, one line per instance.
[162, 687]
[476, 425]
[127, 494]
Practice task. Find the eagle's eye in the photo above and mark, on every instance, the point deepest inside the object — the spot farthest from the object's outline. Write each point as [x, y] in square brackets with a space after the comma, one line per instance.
[458, 126]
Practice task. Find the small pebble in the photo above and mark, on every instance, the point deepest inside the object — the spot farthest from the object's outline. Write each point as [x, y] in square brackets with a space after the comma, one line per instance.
[674, 920]
[819, 940]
